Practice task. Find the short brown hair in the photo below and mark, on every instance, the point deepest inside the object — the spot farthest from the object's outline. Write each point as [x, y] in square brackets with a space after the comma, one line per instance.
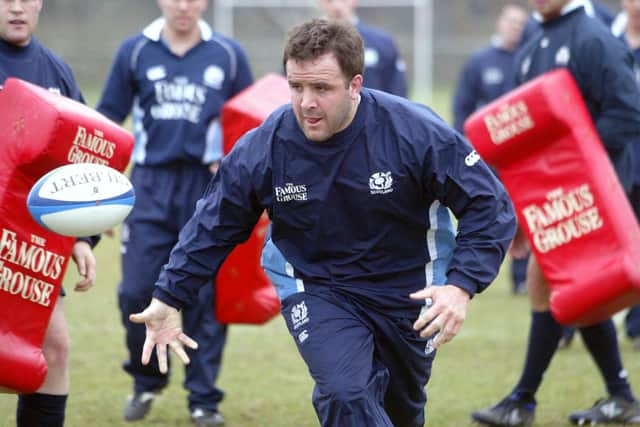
[319, 36]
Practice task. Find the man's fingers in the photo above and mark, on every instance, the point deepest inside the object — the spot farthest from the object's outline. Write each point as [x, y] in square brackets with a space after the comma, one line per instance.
[87, 270]
[422, 321]
[448, 331]
[186, 340]
[427, 314]
[422, 293]
[448, 336]
[443, 336]
[82, 286]
[90, 272]
[81, 266]
[138, 317]
[161, 352]
[147, 348]
[179, 351]
[433, 327]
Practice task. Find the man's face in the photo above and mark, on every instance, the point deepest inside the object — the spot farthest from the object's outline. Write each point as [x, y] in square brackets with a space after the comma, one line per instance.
[510, 25]
[338, 10]
[18, 20]
[323, 100]
[549, 9]
[632, 7]
[182, 15]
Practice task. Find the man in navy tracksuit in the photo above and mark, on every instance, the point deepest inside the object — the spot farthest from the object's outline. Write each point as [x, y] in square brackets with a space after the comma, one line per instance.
[352, 180]
[602, 69]
[631, 38]
[176, 75]
[23, 56]
[487, 75]
[384, 69]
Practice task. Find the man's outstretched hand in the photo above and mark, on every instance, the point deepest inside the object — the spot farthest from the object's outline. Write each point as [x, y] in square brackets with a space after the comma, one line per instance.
[163, 328]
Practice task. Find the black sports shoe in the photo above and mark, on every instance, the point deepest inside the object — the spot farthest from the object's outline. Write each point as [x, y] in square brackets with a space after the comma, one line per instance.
[508, 413]
[613, 409]
[206, 418]
[138, 405]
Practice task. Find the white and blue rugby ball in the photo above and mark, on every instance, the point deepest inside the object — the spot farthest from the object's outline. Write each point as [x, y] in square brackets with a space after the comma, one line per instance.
[81, 199]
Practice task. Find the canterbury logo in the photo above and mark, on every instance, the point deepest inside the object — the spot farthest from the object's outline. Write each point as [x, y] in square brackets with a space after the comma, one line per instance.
[472, 158]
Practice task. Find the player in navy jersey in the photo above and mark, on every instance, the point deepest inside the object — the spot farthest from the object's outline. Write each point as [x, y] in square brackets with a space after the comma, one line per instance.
[352, 179]
[384, 69]
[24, 57]
[602, 68]
[603, 14]
[631, 37]
[173, 78]
[486, 75]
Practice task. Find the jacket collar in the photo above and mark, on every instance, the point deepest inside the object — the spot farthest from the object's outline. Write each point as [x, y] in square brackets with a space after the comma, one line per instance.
[153, 31]
[570, 7]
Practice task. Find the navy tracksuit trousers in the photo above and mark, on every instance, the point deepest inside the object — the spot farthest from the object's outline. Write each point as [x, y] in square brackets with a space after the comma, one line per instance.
[369, 367]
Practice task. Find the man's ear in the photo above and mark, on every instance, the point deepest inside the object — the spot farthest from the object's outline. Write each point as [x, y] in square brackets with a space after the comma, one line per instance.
[355, 85]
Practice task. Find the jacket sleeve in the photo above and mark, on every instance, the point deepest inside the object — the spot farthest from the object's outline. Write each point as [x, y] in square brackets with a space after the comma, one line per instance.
[604, 72]
[119, 89]
[459, 178]
[223, 218]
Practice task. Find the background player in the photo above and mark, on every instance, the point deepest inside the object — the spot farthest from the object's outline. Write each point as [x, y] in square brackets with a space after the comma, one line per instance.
[486, 75]
[602, 68]
[175, 75]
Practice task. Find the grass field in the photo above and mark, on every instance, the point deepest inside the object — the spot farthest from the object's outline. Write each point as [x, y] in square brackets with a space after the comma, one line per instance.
[267, 384]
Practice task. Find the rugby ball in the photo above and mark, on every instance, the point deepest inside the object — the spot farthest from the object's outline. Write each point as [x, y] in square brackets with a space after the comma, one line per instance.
[81, 199]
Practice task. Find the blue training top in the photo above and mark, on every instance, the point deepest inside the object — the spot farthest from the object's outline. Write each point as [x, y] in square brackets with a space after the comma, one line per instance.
[176, 99]
[352, 212]
[383, 68]
[602, 69]
[37, 64]
[487, 75]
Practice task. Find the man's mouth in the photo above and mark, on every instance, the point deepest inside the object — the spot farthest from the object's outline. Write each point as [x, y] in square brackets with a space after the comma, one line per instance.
[312, 120]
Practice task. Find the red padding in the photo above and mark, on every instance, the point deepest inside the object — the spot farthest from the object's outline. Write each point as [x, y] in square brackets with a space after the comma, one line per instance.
[568, 199]
[40, 131]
